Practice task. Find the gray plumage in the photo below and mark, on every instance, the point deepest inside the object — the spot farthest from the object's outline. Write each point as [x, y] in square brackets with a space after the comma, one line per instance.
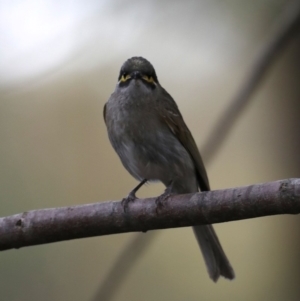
[153, 142]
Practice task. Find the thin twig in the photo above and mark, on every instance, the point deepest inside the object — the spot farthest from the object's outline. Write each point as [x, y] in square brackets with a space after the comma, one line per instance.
[286, 27]
[123, 263]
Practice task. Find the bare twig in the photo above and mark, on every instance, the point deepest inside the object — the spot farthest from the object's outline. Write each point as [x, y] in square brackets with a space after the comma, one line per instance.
[58, 224]
[286, 27]
[114, 278]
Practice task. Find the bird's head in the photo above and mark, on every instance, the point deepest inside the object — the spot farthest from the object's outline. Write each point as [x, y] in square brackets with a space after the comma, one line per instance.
[137, 69]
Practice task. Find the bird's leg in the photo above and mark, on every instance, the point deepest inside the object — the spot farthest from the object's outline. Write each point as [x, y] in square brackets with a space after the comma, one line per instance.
[131, 196]
[159, 200]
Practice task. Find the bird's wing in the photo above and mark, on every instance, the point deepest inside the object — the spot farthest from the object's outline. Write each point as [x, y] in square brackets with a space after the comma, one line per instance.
[170, 115]
[104, 113]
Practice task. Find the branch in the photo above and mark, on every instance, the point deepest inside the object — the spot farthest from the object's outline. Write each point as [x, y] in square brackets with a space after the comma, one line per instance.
[115, 275]
[58, 224]
[286, 28]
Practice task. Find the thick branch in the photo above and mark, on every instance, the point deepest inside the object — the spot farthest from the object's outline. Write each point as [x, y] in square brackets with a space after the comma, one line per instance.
[58, 224]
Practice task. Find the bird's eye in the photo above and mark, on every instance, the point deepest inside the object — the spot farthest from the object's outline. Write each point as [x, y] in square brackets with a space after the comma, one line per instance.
[124, 77]
[149, 79]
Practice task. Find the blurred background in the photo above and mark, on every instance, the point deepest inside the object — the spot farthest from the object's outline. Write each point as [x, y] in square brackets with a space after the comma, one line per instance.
[58, 66]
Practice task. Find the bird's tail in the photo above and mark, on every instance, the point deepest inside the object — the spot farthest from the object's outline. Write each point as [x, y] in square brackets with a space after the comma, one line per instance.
[215, 259]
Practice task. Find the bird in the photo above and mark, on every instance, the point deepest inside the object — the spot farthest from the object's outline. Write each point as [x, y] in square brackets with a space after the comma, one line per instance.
[147, 131]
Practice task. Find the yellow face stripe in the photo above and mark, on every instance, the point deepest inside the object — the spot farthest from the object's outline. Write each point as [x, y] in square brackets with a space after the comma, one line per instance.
[148, 79]
[124, 78]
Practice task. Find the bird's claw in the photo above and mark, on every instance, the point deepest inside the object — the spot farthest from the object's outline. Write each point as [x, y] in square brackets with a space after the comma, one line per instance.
[130, 198]
[160, 200]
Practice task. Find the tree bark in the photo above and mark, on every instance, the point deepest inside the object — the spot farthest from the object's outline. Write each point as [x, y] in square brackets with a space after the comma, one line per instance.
[58, 224]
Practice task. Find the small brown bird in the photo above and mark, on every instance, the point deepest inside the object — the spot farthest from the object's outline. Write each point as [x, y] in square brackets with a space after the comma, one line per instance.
[153, 142]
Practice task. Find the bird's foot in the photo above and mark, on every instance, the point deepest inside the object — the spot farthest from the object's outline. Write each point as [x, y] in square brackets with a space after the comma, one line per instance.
[161, 199]
[130, 198]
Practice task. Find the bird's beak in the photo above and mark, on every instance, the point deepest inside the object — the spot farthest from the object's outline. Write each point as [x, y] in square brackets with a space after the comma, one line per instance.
[136, 75]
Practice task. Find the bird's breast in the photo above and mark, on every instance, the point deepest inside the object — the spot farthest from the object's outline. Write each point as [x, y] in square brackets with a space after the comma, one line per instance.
[144, 143]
